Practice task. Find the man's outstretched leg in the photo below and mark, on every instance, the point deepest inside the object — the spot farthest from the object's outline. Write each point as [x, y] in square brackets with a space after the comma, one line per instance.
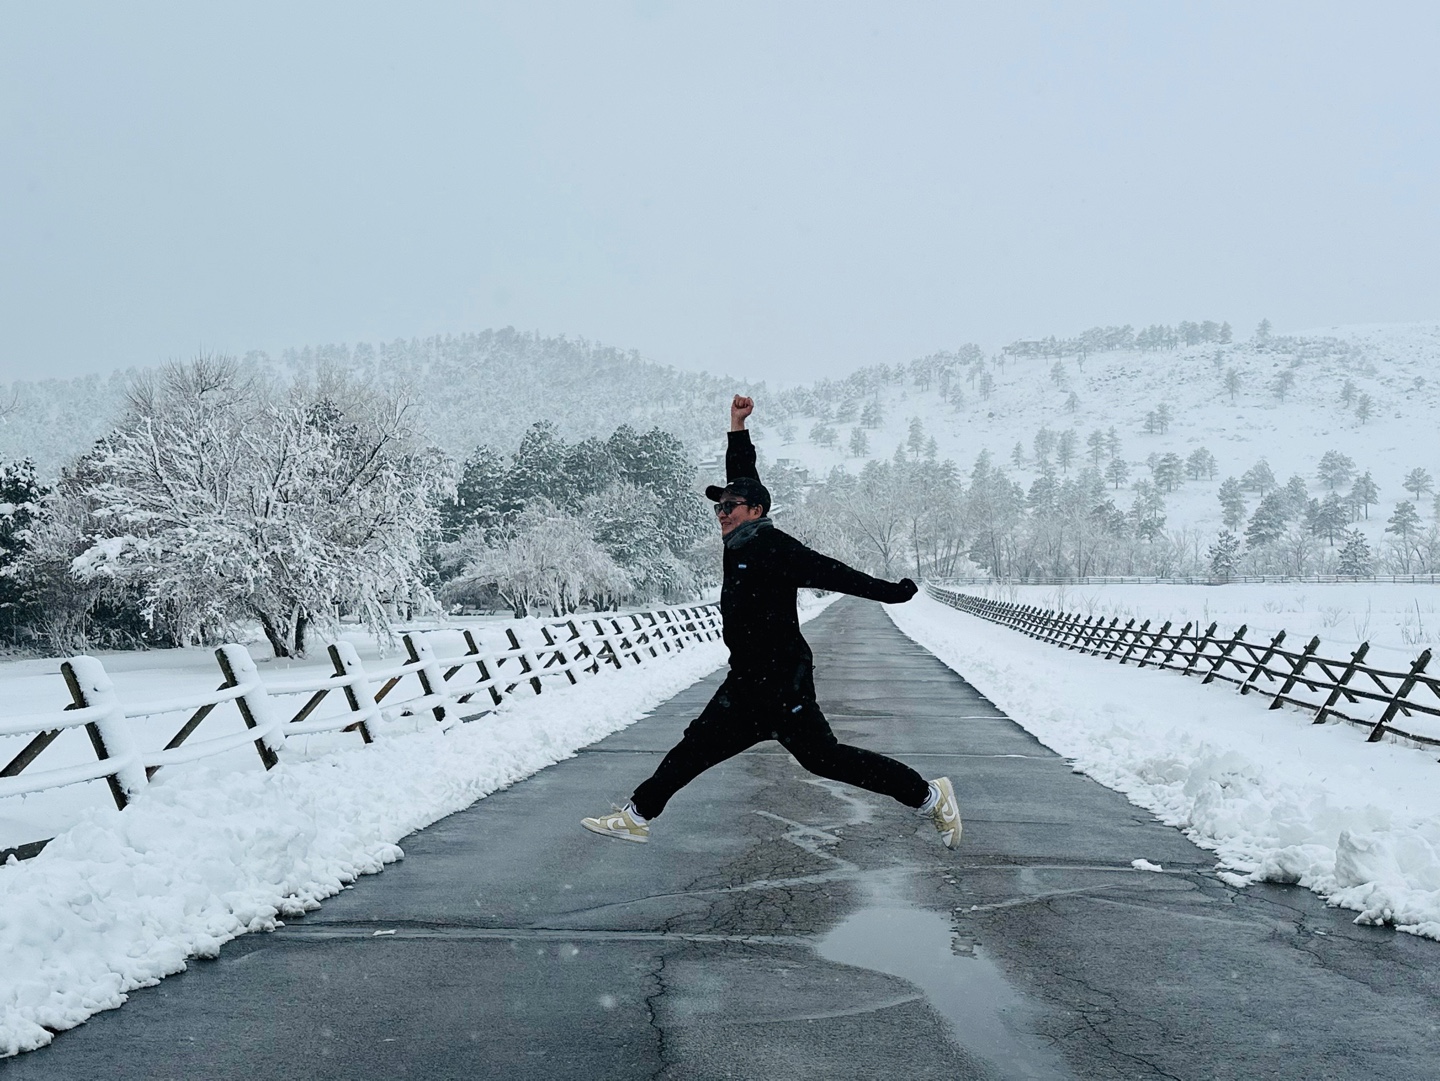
[720, 732]
[808, 736]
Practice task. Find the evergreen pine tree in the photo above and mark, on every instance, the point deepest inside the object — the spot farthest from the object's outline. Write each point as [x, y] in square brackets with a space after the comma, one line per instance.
[1258, 478]
[1364, 492]
[1405, 521]
[1200, 464]
[1224, 554]
[1095, 446]
[1355, 554]
[1232, 503]
[1331, 517]
[1268, 522]
[1418, 481]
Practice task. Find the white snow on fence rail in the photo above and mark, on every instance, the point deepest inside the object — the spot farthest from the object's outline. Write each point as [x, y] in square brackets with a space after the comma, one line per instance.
[1276, 797]
[200, 855]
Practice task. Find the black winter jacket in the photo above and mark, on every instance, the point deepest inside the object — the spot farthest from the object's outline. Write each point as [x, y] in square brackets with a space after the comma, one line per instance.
[757, 598]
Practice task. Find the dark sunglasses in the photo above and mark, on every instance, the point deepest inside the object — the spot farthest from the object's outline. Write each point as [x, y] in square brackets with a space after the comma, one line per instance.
[728, 507]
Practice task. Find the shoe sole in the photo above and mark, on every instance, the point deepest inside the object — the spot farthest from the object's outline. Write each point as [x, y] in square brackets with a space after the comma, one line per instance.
[603, 832]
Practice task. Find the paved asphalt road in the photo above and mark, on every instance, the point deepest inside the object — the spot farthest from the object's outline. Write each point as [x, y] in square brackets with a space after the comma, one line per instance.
[780, 926]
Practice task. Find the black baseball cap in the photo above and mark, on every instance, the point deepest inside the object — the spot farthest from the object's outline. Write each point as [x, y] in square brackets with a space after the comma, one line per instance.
[747, 488]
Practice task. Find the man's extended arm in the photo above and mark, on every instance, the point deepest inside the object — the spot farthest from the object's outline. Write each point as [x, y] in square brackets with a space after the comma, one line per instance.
[815, 571]
[740, 451]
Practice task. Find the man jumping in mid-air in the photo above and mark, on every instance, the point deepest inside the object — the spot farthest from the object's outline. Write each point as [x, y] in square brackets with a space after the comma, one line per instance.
[770, 691]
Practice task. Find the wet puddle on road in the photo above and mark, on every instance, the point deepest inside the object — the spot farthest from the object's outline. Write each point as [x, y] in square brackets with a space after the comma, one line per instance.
[967, 989]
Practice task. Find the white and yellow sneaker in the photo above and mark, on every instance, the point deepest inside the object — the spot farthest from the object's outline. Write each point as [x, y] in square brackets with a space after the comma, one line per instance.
[944, 811]
[624, 823]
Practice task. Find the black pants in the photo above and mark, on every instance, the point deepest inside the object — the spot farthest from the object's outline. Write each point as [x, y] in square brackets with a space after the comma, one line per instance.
[744, 713]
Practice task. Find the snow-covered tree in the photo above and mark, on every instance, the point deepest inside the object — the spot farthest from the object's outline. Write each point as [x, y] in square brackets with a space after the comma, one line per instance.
[1200, 464]
[1355, 554]
[1268, 522]
[1167, 470]
[1258, 478]
[1095, 448]
[1224, 555]
[1364, 492]
[218, 500]
[1335, 469]
[1232, 503]
[1296, 495]
[859, 443]
[1282, 383]
[1404, 522]
[1147, 513]
[1044, 444]
[550, 558]
[1065, 449]
[1117, 472]
[22, 497]
[915, 438]
[1330, 516]
[1418, 481]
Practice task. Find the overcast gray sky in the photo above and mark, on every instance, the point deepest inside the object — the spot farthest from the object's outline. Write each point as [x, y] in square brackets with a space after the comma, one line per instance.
[768, 189]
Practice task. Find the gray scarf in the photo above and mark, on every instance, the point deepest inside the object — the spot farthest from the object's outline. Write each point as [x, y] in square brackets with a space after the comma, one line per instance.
[742, 534]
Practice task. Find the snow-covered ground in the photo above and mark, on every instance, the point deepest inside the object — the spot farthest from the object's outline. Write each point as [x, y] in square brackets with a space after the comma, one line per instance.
[1275, 797]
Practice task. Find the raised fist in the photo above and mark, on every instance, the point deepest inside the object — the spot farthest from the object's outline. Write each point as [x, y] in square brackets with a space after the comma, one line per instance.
[740, 408]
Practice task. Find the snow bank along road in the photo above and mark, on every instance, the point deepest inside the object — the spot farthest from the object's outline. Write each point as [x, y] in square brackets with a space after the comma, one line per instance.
[777, 925]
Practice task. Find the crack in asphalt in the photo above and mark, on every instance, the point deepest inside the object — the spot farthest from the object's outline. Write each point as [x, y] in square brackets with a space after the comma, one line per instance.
[657, 975]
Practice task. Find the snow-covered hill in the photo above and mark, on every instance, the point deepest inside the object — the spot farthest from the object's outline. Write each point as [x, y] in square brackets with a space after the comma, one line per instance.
[1396, 366]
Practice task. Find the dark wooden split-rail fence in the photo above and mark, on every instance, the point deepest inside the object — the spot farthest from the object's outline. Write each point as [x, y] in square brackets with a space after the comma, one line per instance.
[1403, 703]
[453, 689]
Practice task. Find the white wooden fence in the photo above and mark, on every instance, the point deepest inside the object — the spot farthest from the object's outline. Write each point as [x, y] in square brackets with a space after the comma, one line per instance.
[453, 689]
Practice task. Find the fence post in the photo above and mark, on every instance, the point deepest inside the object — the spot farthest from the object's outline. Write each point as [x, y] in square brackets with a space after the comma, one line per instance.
[1102, 640]
[1135, 641]
[1225, 654]
[110, 734]
[1154, 644]
[525, 665]
[357, 687]
[1253, 677]
[1175, 642]
[1200, 645]
[558, 654]
[1294, 676]
[432, 680]
[1323, 714]
[1399, 696]
[487, 680]
[237, 668]
[1119, 638]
